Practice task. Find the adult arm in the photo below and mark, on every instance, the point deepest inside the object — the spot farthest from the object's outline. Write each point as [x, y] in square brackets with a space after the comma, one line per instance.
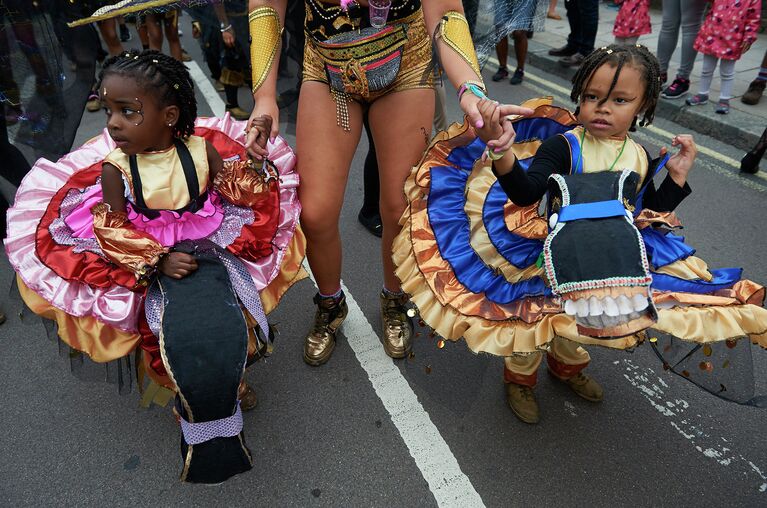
[266, 19]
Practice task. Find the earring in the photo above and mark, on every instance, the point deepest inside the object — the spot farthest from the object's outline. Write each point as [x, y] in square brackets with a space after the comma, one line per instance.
[170, 125]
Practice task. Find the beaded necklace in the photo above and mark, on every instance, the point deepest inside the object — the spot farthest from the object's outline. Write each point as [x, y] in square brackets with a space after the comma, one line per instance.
[580, 152]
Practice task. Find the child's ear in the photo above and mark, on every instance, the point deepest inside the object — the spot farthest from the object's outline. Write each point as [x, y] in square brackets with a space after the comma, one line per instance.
[170, 115]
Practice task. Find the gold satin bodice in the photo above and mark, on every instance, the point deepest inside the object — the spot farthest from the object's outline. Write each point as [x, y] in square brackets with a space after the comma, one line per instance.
[598, 154]
[162, 176]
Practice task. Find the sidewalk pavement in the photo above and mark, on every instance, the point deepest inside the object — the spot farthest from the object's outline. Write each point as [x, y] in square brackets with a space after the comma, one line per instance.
[741, 128]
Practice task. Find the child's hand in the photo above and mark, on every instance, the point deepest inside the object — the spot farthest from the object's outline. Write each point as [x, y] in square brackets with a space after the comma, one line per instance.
[259, 130]
[491, 129]
[680, 163]
[177, 265]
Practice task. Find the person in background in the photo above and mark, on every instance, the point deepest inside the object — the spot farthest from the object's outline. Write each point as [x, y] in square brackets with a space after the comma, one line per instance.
[729, 30]
[124, 31]
[552, 14]
[689, 15]
[756, 87]
[632, 21]
[583, 17]
[750, 161]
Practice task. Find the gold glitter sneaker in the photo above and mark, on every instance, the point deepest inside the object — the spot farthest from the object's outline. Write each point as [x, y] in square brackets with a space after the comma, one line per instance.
[321, 341]
[397, 325]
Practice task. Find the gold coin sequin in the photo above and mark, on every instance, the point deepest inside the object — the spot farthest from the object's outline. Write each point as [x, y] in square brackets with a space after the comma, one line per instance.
[707, 350]
[440, 343]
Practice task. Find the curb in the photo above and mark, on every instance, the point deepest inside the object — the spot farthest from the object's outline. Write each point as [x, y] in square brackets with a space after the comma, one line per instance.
[741, 129]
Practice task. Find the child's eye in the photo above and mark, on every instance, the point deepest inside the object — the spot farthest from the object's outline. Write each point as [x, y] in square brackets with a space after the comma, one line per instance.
[589, 97]
[621, 100]
[107, 111]
[129, 111]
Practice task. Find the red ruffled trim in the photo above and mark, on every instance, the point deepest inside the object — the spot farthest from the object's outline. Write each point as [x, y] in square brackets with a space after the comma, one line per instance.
[85, 267]
[255, 240]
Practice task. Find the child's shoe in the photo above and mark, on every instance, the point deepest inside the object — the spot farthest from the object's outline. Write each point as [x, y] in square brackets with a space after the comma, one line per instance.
[321, 341]
[522, 402]
[501, 74]
[723, 107]
[583, 385]
[397, 325]
[94, 103]
[698, 99]
[247, 396]
[678, 88]
[518, 76]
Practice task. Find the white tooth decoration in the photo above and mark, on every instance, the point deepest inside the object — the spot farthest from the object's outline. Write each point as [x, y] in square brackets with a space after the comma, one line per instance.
[624, 305]
[610, 306]
[553, 219]
[595, 308]
[640, 302]
[569, 307]
[582, 307]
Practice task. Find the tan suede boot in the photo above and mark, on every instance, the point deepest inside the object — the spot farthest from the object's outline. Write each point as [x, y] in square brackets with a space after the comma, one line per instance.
[522, 402]
[584, 386]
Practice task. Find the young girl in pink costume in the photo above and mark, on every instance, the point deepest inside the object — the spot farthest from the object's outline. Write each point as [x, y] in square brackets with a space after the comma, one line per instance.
[729, 30]
[632, 21]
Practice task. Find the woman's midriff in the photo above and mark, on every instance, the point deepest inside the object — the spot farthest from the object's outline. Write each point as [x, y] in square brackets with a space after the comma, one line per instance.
[414, 71]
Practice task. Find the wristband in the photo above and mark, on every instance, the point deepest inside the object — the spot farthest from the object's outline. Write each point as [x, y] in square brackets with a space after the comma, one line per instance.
[475, 87]
[494, 156]
[225, 28]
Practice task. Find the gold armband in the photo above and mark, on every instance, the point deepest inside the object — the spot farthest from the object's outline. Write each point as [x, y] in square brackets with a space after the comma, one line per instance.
[454, 30]
[265, 31]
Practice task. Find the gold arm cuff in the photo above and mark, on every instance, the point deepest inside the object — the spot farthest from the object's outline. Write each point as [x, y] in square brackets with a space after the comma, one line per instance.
[454, 30]
[265, 31]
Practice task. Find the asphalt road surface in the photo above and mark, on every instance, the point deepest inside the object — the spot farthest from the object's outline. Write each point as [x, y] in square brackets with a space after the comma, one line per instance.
[365, 431]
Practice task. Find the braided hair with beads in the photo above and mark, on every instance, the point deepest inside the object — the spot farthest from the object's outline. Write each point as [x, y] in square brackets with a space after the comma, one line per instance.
[165, 77]
[618, 56]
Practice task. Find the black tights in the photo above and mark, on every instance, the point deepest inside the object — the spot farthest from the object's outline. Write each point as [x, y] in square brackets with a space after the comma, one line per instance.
[371, 190]
[13, 169]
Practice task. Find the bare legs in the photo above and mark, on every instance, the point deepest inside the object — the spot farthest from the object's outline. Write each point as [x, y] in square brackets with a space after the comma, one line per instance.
[324, 152]
[401, 125]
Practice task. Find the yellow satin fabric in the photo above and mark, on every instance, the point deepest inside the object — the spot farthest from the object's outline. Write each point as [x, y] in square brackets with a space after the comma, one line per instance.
[599, 154]
[162, 177]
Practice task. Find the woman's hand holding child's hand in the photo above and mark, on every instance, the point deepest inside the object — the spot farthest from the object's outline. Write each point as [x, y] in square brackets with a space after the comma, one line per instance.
[259, 131]
[680, 163]
[177, 265]
[491, 122]
[492, 132]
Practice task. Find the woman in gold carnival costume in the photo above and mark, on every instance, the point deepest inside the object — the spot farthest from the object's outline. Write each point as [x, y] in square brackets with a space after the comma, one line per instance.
[351, 66]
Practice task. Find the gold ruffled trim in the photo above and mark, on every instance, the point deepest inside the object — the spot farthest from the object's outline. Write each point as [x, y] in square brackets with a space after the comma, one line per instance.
[530, 325]
[415, 248]
[689, 268]
[477, 188]
[290, 272]
[101, 342]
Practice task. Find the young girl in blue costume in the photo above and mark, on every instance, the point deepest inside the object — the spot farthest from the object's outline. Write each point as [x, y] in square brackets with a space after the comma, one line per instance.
[468, 256]
[162, 237]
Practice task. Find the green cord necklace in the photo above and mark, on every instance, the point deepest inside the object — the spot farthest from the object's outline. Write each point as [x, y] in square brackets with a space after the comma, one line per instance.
[580, 153]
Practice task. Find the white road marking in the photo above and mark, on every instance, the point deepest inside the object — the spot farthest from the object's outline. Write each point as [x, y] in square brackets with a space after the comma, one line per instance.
[729, 161]
[439, 467]
[647, 382]
[212, 97]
